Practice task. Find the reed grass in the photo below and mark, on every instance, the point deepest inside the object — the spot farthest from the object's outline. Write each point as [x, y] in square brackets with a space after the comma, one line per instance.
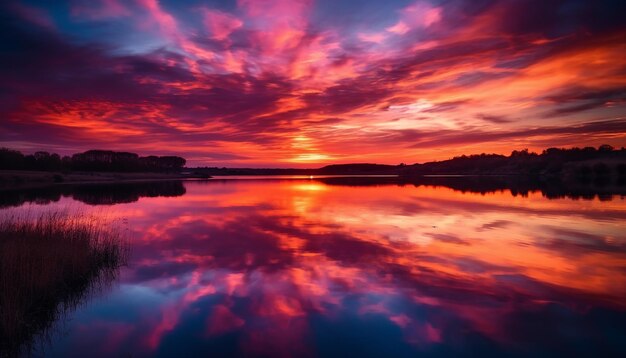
[48, 266]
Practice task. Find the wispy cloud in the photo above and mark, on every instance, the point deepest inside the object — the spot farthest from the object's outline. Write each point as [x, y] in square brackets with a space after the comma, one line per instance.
[225, 83]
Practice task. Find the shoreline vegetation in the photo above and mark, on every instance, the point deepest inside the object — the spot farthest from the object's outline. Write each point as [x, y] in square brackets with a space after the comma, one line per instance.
[42, 168]
[93, 166]
[49, 265]
[28, 178]
[587, 162]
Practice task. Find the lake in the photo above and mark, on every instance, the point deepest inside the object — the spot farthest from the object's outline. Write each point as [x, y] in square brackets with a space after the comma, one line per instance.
[349, 267]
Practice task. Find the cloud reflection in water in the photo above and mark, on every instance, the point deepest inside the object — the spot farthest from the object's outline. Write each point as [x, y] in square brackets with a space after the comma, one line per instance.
[302, 268]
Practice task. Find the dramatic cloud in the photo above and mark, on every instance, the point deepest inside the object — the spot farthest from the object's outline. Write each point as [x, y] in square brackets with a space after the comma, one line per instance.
[305, 82]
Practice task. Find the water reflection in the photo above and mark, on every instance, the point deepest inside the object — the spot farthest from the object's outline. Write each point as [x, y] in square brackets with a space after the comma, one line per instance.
[92, 194]
[312, 268]
[551, 188]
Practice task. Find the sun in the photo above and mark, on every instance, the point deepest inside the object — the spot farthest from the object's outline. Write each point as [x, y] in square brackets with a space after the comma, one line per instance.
[310, 157]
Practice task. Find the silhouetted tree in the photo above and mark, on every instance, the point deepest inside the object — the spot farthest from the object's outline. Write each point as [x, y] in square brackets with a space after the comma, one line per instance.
[11, 159]
[584, 163]
[92, 160]
[605, 148]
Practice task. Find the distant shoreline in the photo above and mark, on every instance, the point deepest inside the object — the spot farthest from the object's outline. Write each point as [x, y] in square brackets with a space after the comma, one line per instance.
[25, 179]
[125, 190]
[603, 165]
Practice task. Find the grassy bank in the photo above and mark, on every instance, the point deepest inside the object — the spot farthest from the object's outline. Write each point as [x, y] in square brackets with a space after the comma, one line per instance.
[48, 266]
[23, 178]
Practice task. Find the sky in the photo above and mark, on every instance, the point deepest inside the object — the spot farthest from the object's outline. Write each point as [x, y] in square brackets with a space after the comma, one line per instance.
[290, 83]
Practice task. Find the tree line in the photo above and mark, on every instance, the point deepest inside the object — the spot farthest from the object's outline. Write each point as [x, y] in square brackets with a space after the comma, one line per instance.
[582, 162]
[91, 160]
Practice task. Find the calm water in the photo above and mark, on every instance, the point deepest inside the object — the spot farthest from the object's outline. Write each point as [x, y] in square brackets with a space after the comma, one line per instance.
[317, 268]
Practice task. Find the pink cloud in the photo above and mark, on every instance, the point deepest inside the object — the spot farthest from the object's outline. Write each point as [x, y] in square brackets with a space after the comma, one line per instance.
[375, 37]
[418, 15]
[169, 28]
[219, 23]
[222, 320]
[279, 24]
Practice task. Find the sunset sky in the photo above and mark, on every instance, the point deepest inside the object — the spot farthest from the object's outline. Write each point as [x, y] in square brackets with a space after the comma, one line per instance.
[289, 83]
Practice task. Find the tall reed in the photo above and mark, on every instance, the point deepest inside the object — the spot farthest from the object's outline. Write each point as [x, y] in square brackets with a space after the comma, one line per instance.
[48, 266]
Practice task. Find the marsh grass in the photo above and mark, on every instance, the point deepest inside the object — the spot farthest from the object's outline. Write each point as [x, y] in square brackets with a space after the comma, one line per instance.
[49, 265]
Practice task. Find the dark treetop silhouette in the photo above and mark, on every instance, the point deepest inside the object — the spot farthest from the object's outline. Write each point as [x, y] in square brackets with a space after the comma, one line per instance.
[92, 160]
